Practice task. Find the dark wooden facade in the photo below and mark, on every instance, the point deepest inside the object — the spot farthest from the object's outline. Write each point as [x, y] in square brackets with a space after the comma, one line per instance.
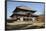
[19, 12]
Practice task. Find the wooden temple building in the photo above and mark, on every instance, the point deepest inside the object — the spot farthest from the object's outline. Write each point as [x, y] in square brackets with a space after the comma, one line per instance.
[23, 13]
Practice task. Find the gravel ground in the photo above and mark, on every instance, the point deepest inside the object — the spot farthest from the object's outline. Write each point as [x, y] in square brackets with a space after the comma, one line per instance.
[24, 25]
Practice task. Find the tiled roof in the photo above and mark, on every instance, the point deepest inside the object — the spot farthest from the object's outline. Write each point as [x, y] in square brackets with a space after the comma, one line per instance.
[24, 7]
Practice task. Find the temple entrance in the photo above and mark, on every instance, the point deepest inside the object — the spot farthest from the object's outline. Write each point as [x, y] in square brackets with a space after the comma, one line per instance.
[20, 18]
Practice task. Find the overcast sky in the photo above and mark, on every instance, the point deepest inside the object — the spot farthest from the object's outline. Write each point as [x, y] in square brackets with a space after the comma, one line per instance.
[11, 6]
